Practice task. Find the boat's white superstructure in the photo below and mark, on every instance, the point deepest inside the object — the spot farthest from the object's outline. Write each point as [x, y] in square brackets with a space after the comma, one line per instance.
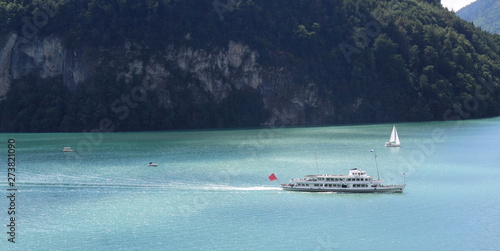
[67, 149]
[355, 182]
[394, 139]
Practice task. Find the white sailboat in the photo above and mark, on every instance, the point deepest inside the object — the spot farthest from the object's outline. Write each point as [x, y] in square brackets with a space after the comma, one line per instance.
[394, 140]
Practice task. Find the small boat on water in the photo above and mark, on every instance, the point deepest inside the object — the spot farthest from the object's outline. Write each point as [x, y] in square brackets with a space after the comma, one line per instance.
[394, 139]
[67, 149]
[152, 164]
[355, 182]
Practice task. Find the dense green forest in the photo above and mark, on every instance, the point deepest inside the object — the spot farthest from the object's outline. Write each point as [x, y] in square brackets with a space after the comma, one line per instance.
[408, 60]
[484, 14]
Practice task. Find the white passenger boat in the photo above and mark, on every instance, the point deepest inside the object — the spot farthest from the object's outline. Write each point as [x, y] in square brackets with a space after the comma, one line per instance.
[355, 182]
[152, 164]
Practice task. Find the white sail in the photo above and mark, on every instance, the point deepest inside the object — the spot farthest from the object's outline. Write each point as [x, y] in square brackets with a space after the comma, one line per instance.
[393, 135]
[396, 136]
[394, 139]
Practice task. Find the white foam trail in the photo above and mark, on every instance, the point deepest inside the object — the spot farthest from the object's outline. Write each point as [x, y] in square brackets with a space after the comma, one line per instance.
[230, 188]
[180, 186]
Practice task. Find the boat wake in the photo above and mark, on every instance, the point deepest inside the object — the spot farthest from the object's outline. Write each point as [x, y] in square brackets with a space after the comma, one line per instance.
[231, 188]
[181, 186]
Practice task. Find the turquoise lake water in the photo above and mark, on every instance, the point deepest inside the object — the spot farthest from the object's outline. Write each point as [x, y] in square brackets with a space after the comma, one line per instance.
[211, 191]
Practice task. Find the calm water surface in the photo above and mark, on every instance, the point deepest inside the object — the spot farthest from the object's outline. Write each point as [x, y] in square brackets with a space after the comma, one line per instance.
[211, 191]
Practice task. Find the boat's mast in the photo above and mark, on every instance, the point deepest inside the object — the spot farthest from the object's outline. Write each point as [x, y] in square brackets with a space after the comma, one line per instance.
[376, 165]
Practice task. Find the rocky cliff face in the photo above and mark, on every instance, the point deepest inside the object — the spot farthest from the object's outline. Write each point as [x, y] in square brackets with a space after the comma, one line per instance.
[43, 58]
[214, 74]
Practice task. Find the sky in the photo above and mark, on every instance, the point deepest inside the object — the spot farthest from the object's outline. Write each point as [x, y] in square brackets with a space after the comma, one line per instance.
[456, 5]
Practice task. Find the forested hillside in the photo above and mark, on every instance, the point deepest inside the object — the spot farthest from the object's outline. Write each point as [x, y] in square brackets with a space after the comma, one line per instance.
[69, 65]
[484, 14]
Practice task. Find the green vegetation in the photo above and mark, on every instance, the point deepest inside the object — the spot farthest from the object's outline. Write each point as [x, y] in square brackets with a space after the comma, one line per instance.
[484, 14]
[406, 60]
